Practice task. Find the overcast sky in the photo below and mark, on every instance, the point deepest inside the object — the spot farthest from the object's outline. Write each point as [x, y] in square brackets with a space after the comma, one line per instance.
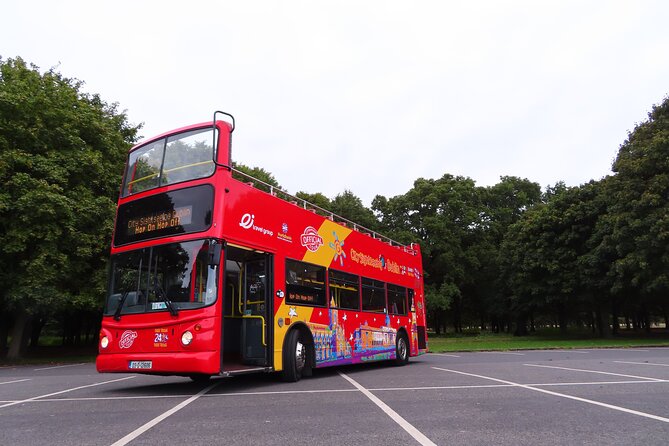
[370, 95]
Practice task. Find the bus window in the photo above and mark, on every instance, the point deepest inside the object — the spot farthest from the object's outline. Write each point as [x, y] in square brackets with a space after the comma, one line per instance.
[181, 157]
[397, 300]
[344, 290]
[373, 295]
[305, 283]
[188, 156]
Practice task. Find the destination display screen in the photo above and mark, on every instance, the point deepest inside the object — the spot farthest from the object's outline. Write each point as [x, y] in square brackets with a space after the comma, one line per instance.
[178, 212]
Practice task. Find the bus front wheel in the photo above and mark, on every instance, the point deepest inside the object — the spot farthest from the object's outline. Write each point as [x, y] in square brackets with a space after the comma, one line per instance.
[294, 357]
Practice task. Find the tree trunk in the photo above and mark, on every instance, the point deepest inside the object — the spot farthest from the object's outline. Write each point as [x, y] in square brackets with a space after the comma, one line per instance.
[4, 333]
[20, 337]
[615, 327]
[562, 318]
[603, 323]
[36, 331]
[533, 327]
[521, 325]
[437, 323]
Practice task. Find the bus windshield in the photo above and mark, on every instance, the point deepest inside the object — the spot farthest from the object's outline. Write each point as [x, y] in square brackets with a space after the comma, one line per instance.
[155, 278]
[177, 158]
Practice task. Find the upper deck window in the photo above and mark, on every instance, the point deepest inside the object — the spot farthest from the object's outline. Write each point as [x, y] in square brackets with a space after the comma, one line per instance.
[182, 157]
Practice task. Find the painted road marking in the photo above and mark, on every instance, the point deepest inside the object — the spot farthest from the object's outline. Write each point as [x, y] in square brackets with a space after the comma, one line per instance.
[642, 363]
[444, 354]
[397, 418]
[592, 371]
[303, 392]
[140, 430]
[15, 381]
[605, 349]
[505, 353]
[60, 366]
[562, 395]
[14, 403]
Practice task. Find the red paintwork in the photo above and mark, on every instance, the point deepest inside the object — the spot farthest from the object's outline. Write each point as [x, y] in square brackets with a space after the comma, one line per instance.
[274, 226]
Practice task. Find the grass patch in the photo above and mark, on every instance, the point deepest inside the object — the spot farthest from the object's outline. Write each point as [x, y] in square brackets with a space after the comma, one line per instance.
[53, 355]
[548, 339]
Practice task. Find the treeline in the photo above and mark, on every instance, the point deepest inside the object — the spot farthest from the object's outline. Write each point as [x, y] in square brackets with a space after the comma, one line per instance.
[62, 153]
[505, 257]
[511, 257]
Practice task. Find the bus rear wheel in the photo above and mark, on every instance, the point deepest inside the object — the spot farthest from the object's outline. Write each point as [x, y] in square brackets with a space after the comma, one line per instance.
[401, 350]
[294, 357]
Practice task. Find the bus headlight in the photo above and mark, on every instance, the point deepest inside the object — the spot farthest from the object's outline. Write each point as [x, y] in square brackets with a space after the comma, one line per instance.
[104, 342]
[186, 338]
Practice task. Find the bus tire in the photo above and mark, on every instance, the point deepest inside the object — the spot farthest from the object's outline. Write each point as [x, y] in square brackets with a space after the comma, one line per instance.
[401, 350]
[294, 357]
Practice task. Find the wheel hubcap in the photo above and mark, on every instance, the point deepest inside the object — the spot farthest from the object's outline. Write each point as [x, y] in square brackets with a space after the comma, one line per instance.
[300, 356]
[401, 349]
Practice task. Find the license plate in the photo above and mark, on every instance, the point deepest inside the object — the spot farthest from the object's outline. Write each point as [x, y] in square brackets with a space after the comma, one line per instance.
[140, 364]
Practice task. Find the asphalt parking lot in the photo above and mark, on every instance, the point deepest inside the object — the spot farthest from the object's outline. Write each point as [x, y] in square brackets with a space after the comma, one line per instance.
[597, 397]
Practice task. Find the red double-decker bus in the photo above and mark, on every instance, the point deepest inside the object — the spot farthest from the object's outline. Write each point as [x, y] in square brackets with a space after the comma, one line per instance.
[216, 273]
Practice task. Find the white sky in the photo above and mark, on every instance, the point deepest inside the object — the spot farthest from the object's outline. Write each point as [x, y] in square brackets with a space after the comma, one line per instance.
[370, 95]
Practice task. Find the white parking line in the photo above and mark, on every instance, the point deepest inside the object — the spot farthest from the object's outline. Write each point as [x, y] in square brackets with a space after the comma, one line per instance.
[140, 430]
[444, 354]
[562, 395]
[506, 353]
[59, 366]
[642, 363]
[622, 349]
[14, 403]
[592, 371]
[397, 418]
[15, 381]
[304, 392]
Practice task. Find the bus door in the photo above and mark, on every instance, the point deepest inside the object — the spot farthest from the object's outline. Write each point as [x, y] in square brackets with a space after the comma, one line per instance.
[246, 309]
[254, 311]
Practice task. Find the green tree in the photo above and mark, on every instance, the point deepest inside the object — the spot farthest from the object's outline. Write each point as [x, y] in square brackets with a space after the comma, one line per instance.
[552, 262]
[502, 205]
[62, 153]
[639, 217]
[258, 173]
[349, 206]
[317, 199]
[443, 214]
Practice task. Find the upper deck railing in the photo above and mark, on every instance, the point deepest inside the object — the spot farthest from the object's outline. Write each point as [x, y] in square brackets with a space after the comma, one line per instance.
[279, 193]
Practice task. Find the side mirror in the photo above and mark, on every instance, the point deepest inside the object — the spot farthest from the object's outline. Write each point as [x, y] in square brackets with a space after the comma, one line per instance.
[214, 253]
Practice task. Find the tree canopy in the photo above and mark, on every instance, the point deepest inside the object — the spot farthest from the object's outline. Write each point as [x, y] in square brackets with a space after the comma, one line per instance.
[62, 153]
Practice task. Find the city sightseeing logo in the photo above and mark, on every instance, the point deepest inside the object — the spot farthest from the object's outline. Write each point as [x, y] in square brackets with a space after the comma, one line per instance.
[127, 338]
[311, 240]
[248, 222]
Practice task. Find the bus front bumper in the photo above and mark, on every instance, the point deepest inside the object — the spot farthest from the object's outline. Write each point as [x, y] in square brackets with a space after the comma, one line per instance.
[184, 363]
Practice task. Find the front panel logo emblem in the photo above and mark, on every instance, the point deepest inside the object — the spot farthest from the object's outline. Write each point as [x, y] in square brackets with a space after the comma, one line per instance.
[311, 240]
[127, 339]
[247, 221]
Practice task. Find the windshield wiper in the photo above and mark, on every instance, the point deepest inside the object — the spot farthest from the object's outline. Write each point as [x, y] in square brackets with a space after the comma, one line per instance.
[117, 313]
[163, 296]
